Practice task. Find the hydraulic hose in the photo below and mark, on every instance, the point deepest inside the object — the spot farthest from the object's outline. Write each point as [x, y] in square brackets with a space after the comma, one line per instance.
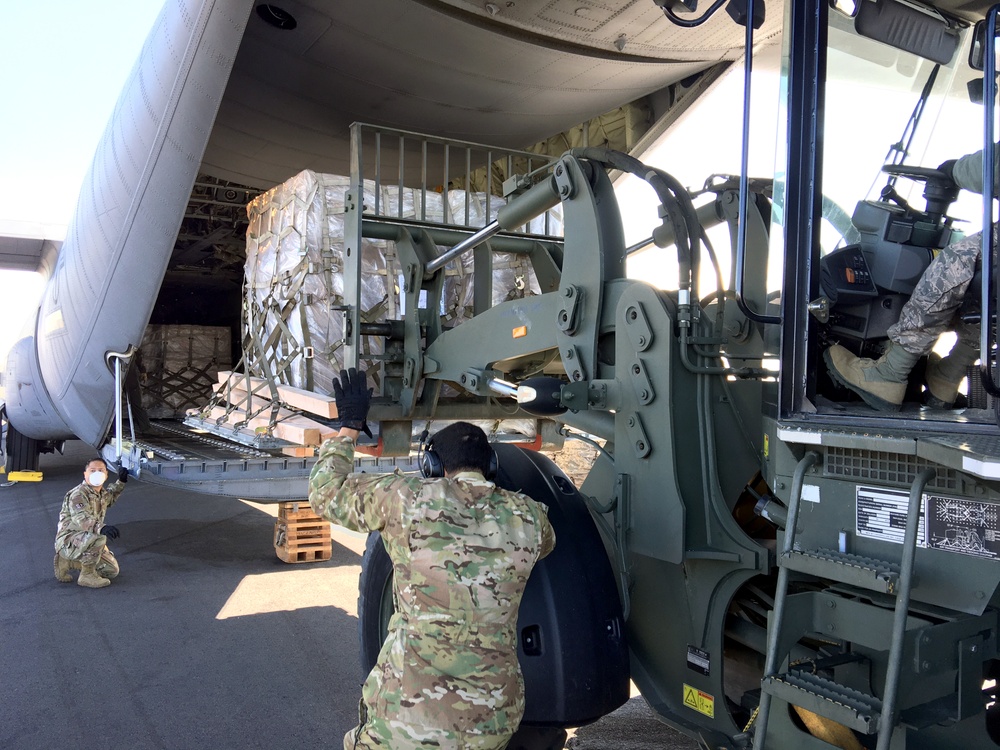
[674, 199]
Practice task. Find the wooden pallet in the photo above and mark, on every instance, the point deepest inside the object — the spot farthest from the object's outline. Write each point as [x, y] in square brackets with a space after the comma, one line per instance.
[298, 510]
[300, 535]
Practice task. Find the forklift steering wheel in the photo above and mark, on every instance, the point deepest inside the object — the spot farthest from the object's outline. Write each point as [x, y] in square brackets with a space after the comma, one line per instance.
[920, 174]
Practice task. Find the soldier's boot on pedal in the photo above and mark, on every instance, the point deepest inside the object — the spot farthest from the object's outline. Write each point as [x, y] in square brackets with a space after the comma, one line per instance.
[944, 374]
[880, 382]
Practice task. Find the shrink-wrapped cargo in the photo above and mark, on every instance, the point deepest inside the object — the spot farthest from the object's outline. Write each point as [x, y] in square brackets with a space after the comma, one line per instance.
[293, 284]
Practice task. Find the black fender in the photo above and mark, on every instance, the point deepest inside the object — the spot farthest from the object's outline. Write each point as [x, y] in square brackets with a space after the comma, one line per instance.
[571, 633]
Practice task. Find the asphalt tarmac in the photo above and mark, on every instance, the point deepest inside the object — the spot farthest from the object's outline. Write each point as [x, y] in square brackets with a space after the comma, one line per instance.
[205, 640]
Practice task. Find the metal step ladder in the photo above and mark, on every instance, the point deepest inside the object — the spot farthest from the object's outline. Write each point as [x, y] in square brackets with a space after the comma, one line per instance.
[861, 712]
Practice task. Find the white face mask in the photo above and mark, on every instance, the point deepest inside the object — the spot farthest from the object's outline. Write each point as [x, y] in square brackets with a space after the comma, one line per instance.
[96, 478]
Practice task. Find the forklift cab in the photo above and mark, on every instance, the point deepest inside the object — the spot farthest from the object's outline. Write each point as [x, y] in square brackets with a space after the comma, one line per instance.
[892, 109]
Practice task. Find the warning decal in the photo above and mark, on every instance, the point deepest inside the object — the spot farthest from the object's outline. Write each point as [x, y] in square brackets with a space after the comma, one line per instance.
[951, 524]
[964, 526]
[699, 660]
[700, 701]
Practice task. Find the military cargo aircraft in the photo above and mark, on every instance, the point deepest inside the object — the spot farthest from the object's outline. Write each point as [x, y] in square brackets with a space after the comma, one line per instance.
[230, 98]
[784, 565]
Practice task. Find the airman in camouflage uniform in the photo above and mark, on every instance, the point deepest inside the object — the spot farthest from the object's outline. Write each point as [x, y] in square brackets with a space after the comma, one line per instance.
[934, 308]
[81, 537]
[462, 549]
[937, 299]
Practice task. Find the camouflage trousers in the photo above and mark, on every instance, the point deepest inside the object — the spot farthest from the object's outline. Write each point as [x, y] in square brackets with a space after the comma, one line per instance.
[937, 301]
[433, 692]
[390, 733]
[386, 734]
[89, 549]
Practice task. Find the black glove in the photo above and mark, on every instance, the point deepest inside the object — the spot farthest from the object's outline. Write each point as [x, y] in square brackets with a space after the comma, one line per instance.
[947, 166]
[353, 398]
[122, 474]
[111, 532]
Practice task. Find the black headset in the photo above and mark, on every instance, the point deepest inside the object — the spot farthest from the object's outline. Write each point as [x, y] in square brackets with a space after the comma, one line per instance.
[430, 462]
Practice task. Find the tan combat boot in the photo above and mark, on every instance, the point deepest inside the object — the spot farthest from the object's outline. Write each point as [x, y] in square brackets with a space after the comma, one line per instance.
[944, 374]
[61, 566]
[880, 382]
[90, 579]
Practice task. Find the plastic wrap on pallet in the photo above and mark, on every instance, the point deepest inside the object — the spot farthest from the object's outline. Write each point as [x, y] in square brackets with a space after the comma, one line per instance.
[178, 364]
[513, 276]
[294, 274]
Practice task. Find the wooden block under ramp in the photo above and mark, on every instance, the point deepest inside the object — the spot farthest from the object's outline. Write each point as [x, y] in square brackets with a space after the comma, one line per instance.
[300, 535]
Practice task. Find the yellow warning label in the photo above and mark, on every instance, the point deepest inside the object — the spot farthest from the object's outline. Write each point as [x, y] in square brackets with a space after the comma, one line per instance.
[700, 701]
[767, 445]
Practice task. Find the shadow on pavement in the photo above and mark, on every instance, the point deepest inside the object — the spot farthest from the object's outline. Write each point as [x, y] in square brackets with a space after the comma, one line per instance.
[205, 640]
[633, 726]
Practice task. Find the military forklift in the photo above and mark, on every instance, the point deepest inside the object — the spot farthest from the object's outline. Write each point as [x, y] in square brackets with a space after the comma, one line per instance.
[772, 562]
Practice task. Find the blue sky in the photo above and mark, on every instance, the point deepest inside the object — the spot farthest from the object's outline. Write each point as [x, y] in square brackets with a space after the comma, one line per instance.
[64, 62]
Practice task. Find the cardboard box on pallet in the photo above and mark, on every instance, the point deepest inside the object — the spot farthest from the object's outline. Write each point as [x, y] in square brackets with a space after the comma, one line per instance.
[177, 366]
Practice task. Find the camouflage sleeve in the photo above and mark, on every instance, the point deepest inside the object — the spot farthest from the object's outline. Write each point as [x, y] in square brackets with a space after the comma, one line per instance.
[968, 172]
[361, 502]
[115, 490]
[548, 535]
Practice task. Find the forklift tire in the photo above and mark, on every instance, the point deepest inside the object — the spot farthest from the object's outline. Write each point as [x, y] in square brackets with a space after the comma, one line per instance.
[375, 605]
[538, 738]
[571, 601]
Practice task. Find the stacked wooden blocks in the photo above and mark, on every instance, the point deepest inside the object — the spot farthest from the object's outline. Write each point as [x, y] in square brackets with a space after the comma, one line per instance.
[300, 535]
[250, 404]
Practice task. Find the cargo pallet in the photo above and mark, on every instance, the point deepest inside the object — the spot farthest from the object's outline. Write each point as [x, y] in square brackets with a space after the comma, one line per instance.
[300, 535]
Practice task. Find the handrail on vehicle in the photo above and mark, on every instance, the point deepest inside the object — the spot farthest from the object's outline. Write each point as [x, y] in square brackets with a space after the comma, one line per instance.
[741, 229]
[987, 241]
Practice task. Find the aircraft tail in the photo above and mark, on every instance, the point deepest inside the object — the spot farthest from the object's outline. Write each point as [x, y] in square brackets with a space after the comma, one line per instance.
[100, 296]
